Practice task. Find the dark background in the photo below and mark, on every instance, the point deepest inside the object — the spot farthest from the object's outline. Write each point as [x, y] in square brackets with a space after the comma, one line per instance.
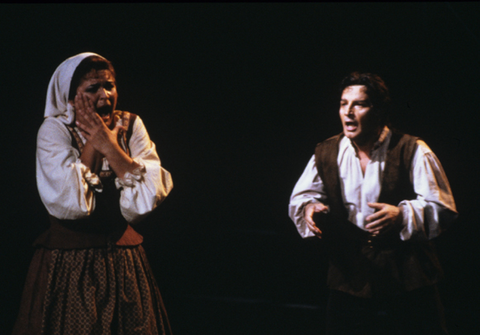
[236, 96]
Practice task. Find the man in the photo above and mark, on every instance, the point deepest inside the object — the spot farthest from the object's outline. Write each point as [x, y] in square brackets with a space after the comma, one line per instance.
[376, 198]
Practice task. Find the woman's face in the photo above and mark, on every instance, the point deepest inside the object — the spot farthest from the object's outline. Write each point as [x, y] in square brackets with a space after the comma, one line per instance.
[99, 86]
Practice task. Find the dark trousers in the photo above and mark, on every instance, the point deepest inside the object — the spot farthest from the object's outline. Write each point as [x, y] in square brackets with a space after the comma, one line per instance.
[411, 313]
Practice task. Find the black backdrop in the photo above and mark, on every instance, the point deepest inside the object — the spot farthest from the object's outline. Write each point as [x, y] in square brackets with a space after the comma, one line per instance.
[236, 96]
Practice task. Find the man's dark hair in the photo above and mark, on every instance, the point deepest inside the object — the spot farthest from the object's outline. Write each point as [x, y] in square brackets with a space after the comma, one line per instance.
[85, 66]
[377, 91]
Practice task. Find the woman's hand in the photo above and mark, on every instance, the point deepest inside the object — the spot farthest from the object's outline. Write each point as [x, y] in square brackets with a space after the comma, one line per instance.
[101, 138]
[93, 128]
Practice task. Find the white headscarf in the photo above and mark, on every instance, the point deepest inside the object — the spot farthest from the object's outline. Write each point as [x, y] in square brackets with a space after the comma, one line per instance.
[59, 87]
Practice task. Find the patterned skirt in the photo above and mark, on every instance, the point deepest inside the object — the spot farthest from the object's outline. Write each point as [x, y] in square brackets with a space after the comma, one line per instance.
[91, 291]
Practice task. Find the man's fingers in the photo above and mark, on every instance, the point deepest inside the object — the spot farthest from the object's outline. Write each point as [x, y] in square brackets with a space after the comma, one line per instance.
[314, 229]
[320, 208]
[309, 220]
[376, 205]
[375, 224]
[375, 216]
[309, 211]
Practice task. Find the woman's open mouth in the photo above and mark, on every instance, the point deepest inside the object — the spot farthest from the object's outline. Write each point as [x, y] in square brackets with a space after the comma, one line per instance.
[105, 112]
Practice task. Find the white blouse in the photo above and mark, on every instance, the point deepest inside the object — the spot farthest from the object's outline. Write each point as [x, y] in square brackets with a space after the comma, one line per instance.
[67, 187]
[423, 218]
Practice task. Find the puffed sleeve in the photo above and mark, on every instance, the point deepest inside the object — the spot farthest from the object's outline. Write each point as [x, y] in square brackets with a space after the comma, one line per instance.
[61, 177]
[434, 208]
[308, 189]
[144, 189]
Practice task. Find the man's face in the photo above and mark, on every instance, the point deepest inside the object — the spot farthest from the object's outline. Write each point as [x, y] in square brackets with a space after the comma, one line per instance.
[358, 120]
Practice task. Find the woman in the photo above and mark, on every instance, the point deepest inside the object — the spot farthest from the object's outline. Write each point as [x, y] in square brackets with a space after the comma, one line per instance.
[97, 172]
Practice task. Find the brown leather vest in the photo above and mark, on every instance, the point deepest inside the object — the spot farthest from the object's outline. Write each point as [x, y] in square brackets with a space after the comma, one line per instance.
[359, 264]
[104, 227]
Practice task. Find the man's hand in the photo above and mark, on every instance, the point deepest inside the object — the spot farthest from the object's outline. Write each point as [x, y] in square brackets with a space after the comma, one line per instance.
[386, 217]
[309, 211]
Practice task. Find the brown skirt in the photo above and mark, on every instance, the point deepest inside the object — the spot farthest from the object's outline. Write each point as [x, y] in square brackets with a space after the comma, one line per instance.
[91, 291]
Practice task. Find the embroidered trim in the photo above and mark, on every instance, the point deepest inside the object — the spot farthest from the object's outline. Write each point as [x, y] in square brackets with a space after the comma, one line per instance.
[122, 118]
